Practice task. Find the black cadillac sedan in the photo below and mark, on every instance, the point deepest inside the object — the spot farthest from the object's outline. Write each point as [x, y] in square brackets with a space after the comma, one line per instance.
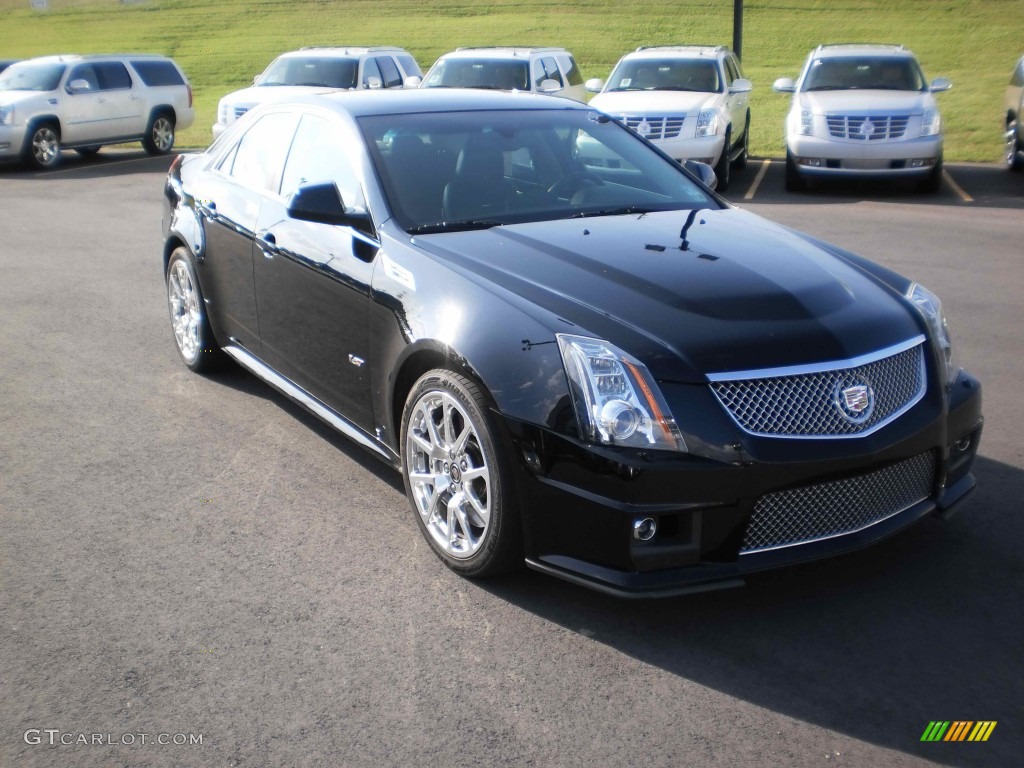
[577, 355]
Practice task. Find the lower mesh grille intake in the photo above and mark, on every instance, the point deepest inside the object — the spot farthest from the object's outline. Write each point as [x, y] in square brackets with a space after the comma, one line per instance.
[815, 512]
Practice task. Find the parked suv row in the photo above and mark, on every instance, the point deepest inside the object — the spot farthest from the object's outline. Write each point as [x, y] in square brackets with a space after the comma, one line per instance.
[85, 102]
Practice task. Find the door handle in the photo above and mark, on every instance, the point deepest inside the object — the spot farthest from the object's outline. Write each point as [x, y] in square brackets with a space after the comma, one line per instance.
[268, 244]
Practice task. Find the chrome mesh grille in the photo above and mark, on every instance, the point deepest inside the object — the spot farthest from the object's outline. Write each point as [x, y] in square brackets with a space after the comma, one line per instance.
[661, 127]
[805, 405]
[868, 127]
[821, 511]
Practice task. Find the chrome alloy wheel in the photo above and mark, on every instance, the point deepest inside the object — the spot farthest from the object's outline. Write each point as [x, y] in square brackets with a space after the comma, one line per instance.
[1012, 155]
[163, 134]
[448, 474]
[45, 147]
[186, 319]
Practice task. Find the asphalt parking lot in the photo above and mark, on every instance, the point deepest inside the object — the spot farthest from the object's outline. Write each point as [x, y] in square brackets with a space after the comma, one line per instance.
[186, 556]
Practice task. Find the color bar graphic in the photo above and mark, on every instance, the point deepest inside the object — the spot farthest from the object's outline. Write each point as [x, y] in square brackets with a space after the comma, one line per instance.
[958, 730]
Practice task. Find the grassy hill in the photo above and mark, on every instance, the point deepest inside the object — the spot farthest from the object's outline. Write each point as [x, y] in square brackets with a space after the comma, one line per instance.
[223, 45]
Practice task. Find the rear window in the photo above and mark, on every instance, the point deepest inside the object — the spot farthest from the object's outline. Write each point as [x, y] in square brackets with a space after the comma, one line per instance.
[155, 73]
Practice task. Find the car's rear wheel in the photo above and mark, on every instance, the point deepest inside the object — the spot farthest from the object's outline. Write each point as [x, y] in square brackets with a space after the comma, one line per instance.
[456, 477]
[794, 181]
[193, 336]
[723, 165]
[1014, 157]
[42, 150]
[159, 138]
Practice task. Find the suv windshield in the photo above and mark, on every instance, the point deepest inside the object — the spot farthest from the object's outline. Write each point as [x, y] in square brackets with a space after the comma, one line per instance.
[27, 76]
[326, 72]
[878, 73]
[495, 74]
[666, 75]
[475, 170]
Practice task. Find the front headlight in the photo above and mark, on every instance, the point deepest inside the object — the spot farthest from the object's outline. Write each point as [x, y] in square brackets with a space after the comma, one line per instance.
[7, 115]
[616, 400]
[931, 123]
[930, 307]
[707, 122]
[224, 113]
[806, 122]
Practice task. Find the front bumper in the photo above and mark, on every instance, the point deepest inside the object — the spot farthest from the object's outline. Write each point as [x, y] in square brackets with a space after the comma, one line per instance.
[706, 149]
[580, 503]
[833, 157]
[12, 140]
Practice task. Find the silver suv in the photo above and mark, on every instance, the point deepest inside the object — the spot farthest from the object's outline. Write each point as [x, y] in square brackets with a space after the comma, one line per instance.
[541, 70]
[85, 102]
[863, 110]
[318, 69]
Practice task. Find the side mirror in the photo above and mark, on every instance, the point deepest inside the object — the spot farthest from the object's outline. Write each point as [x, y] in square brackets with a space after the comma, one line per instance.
[702, 171]
[784, 85]
[322, 203]
[940, 84]
[413, 81]
[79, 86]
[374, 83]
[594, 85]
[549, 86]
[741, 85]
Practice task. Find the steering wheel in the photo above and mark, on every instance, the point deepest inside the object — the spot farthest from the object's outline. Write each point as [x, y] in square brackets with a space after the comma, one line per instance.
[565, 186]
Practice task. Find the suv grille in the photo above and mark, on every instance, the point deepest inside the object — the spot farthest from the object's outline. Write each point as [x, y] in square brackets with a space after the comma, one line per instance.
[825, 510]
[868, 127]
[661, 127]
[812, 405]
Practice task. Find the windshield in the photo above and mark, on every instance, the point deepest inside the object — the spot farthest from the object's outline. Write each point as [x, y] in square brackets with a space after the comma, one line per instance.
[28, 76]
[495, 74]
[325, 72]
[699, 75]
[475, 170]
[876, 73]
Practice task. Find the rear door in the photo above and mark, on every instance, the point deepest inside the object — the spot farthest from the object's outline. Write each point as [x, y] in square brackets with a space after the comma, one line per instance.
[123, 99]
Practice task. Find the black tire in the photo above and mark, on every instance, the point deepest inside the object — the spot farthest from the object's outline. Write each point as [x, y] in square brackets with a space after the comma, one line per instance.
[190, 326]
[1014, 158]
[159, 138]
[794, 181]
[42, 148]
[87, 151]
[741, 159]
[932, 183]
[723, 165]
[458, 484]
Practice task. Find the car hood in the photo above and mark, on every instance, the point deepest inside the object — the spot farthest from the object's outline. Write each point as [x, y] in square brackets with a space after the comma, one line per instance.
[641, 102]
[265, 94]
[745, 294]
[22, 97]
[832, 102]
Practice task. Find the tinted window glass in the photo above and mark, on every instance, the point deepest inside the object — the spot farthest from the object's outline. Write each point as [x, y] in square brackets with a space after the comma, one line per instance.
[158, 72]
[326, 72]
[480, 73]
[371, 69]
[546, 69]
[317, 155]
[573, 74]
[389, 71]
[862, 73]
[86, 72]
[113, 75]
[731, 69]
[261, 152]
[31, 77]
[699, 75]
[412, 69]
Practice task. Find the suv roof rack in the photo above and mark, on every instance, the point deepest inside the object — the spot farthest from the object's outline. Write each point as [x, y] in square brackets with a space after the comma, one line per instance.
[898, 46]
[535, 48]
[347, 48]
[710, 48]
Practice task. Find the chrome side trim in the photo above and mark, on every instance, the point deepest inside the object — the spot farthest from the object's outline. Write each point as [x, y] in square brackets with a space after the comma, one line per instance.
[293, 391]
[834, 365]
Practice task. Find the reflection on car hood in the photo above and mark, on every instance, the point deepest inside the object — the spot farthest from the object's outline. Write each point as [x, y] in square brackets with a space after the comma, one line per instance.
[852, 101]
[650, 102]
[746, 294]
[265, 94]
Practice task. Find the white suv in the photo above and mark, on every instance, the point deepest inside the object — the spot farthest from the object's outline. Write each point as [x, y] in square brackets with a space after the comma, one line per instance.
[863, 110]
[317, 69]
[84, 102]
[692, 101]
[541, 70]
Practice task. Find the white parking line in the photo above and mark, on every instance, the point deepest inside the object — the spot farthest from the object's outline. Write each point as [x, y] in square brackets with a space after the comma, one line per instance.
[757, 180]
[104, 164]
[956, 187]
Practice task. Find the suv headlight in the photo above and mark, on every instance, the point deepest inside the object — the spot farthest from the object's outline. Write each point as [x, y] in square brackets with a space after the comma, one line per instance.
[616, 400]
[930, 307]
[931, 123]
[7, 115]
[707, 122]
[806, 122]
[224, 113]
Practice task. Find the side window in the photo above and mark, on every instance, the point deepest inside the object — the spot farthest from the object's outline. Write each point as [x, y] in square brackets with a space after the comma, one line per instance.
[259, 159]
[390, 75]
[113, 76]
[85, 72]
[573, 74]
[546, 69]
[157, 72]
[317, 155]
[731, 69]
[370, 69]
[1018, 75]
[412, 69]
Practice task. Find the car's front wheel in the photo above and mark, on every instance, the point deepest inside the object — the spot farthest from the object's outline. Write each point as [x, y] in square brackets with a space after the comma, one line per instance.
[933, 181]
[159, 136]
[1014, 157]
[723, 165]
[456, 477]
[189, 323]
[42, 150]
[744, 155]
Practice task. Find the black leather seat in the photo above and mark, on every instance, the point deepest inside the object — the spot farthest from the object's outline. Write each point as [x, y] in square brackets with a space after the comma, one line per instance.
[478, 190]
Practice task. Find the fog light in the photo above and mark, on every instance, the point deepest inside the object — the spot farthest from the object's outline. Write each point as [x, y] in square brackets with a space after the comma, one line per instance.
[917, 163]
[962, 444]
[813, 162]
[644, 528]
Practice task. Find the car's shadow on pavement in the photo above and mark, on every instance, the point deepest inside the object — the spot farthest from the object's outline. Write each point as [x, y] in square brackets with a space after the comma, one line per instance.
[924, 626]
[104, 164]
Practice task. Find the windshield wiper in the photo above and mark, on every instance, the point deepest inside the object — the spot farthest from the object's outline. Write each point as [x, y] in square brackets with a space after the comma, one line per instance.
[455, 226]
[623, 211]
